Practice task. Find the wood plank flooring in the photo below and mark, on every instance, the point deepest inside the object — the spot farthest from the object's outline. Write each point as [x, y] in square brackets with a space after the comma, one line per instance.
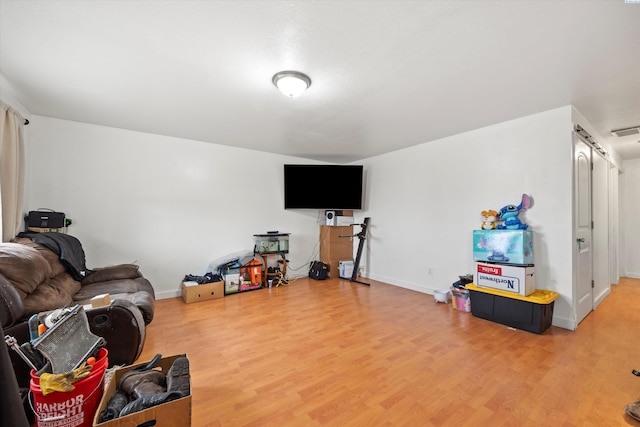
[335, 353]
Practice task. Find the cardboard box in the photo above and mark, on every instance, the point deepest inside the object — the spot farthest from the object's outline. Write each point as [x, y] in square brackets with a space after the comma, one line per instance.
[101, 300]
[176, 413]
[203, 292]
[508, 278]
[337, 250]
[335, 234]
[504, 246]
[533, 313]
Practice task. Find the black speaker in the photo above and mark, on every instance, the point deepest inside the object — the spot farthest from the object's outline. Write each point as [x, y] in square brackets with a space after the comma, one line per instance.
[45, 219]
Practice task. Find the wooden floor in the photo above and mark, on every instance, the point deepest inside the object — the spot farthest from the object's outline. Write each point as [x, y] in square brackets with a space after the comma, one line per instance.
[335, 353]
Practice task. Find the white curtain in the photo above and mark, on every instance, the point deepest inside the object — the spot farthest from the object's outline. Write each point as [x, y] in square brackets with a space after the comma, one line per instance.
[11, 171]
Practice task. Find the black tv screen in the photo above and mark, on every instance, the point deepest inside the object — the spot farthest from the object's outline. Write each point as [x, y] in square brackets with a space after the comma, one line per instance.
[323, 187]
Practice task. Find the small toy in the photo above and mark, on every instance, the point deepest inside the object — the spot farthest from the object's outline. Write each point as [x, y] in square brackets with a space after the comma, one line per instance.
[509, 215]
[489, 220]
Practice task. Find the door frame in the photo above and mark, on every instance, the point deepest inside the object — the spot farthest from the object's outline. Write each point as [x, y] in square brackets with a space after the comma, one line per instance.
[578, 139]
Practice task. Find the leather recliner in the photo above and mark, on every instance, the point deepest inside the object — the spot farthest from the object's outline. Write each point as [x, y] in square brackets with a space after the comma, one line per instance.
[33, 280]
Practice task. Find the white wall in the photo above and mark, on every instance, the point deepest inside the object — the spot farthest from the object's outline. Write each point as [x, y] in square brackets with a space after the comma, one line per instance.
[425, 201]
[171, 205]
[9, 95]
[629, 213]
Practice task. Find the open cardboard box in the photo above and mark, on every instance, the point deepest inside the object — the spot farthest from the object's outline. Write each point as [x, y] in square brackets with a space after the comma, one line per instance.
[203, 292]
[176, 413]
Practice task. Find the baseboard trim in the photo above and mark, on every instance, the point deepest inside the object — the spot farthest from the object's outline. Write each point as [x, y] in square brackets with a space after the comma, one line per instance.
[167, 294]
[598, 299]
[564, 323]
[402, 284]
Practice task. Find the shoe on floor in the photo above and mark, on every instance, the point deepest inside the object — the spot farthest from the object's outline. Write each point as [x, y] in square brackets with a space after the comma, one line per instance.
[178, 378]
[118, 401]
[633, 410]
[149, 401]
[139, 384]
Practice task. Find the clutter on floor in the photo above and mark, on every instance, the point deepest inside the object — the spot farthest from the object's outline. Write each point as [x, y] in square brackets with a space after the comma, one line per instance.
[155, 392]
[68, 370]
[504, 287]
[67, 364]
[442, 295]
[460, 299]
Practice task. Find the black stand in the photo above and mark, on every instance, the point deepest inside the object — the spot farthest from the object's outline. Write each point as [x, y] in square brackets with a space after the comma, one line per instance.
[362, 236]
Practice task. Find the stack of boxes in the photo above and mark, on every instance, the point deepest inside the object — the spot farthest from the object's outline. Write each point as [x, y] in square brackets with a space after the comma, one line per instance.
[504, 288]
[504, 260]
[336, 246]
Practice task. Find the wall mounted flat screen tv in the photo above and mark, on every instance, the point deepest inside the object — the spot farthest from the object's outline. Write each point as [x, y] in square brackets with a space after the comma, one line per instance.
[323, 186]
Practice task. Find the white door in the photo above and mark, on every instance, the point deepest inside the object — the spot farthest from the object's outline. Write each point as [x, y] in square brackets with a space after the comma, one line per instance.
[600, 228]
[582, 194]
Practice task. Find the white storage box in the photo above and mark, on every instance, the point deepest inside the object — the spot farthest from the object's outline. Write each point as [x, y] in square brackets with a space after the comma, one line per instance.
[508, 278]
[345, 269]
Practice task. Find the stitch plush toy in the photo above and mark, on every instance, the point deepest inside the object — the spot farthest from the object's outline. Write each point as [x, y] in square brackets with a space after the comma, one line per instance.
[489, 220]
[509, 215]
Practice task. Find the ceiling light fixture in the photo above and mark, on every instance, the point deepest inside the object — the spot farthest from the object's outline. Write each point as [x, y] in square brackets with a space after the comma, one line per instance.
[291, 83]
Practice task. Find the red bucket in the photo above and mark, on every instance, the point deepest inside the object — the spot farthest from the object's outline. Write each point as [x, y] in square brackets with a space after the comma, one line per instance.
[71, 409]
[102, 363]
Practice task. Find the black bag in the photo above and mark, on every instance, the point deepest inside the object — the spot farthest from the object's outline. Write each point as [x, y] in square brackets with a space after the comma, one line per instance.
[45, 219]
[318, 270]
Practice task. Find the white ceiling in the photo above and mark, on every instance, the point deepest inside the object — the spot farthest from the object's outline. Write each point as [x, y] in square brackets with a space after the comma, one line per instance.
[385, 74]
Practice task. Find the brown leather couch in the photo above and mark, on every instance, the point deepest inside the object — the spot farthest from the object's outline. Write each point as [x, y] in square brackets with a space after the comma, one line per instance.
[34, 279]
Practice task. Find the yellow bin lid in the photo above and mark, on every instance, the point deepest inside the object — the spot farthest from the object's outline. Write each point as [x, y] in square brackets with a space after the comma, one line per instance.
[540, 296]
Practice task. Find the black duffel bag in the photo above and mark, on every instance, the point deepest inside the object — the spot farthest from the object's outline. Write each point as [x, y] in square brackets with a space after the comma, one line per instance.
[318, 270]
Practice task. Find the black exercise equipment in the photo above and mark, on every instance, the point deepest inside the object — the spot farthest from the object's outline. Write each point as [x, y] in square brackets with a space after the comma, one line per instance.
[362, 235]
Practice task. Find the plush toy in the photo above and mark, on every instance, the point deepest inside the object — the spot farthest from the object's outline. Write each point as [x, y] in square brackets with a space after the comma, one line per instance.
[509, 215]
[489, 220]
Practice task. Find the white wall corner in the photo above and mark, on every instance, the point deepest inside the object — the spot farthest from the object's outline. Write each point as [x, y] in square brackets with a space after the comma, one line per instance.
[10, 96]
[563, 322]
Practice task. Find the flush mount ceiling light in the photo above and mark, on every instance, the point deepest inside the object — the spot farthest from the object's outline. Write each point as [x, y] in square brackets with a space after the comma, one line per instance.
[291, 83]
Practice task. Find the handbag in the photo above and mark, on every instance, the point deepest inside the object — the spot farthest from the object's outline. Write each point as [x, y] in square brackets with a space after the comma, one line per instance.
[318, 270]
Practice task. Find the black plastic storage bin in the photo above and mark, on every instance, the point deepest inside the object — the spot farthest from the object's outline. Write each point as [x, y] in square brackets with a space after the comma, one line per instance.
[532, 313]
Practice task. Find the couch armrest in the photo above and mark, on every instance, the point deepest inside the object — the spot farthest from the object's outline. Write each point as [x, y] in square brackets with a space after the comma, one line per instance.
[11, 307]
[114, 272]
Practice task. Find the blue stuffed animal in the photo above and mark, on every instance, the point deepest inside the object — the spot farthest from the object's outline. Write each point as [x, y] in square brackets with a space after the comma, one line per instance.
[509, 215]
